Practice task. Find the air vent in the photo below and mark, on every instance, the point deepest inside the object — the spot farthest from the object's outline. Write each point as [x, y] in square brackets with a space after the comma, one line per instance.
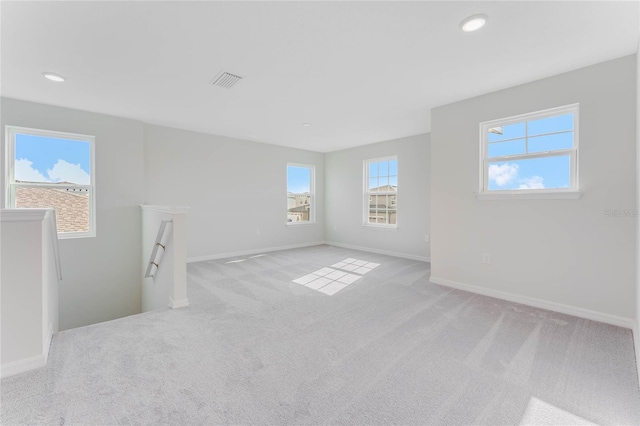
[226, 80]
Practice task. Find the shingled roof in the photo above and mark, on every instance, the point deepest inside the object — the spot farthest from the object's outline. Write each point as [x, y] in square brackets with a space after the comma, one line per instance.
[72, 210]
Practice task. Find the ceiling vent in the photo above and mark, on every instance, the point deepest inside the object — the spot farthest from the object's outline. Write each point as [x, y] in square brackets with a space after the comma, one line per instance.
[226, 80]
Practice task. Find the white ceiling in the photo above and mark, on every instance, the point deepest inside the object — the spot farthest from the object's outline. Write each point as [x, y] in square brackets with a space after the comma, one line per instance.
[358, 72]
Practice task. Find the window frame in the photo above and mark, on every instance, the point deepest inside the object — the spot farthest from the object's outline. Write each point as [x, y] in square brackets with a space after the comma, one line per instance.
[367, 194]
[574, 189]
[11, 185]
[312, 193]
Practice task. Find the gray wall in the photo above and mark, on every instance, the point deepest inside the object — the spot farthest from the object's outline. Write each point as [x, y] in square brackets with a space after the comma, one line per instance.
[236, 190]
[344, 198]
[101, 275]
[561, 251]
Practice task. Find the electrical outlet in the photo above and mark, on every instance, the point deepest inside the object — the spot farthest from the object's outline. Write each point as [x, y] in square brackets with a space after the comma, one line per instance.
[257, 232]
[335, 228]
[426, 238]
[486, 258]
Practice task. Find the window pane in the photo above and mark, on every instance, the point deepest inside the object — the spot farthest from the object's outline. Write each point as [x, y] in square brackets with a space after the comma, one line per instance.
[373, 184]
[382, 178]
[551, 142]
[71, 205]
[382, 216]
[512, 131]
[533, 173]
[298, 193]
[373, 211]
[373, 169]
[393, 167]
[298, 179]
[392, 217]
[383, 168]
[552, 124]
[50, 159]
[500, 149]
[376, 217]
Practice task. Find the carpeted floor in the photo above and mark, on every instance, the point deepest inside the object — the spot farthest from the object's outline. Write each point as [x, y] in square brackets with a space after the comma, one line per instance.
[388, 348]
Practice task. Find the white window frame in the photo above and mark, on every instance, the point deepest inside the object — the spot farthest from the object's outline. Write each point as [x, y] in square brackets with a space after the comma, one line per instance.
[571, 192]
[11, 185]
[312, 197]
[367, 194]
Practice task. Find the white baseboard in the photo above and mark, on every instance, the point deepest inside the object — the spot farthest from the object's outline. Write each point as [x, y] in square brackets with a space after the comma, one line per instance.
[385, 252]
[538, 303]
[251, 252]
[27, 364]
[23, 365]
[175, 304]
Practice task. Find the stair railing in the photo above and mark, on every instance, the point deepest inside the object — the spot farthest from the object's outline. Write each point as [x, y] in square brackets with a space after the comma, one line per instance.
[156, 253]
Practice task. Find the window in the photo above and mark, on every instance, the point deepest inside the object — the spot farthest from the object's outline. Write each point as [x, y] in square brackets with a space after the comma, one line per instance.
[381, 192]
[53, 169]
[531, 153]
[300, 192]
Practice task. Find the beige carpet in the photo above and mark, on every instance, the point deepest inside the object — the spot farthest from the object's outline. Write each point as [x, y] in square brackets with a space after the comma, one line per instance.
[386, 348]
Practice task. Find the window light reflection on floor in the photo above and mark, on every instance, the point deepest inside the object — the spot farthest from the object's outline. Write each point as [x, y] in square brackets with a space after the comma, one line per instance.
[242, 260]
[542, 413]
[330, 281]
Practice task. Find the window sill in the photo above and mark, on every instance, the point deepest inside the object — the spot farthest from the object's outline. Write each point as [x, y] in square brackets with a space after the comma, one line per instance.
[75, 235]
[517, 195]
[294, 224]
[383, 227]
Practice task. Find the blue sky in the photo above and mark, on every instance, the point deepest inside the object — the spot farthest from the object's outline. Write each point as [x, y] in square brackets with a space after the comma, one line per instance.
[298, 179]
[45, 159]
[382, 173]
[534, 136]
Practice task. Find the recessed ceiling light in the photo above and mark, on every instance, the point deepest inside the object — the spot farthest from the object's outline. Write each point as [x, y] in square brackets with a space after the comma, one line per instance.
[53, 77]
[473, 23]
[306, 124]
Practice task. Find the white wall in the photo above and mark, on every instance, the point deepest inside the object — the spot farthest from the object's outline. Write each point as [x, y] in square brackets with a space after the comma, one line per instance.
[344, 201]
[22, 274]
[235, 190]
[560, 251]
[101, 275]
[30, 283]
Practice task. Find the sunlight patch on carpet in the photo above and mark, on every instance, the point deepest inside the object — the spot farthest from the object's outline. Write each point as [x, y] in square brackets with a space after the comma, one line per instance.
[542, 413]
[329, 281]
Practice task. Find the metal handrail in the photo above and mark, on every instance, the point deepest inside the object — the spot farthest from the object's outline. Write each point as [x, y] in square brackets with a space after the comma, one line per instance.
[154, 259]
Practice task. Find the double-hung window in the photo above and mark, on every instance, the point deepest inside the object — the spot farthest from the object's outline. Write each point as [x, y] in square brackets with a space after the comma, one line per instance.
[534, 153]
[381, 192]
[300, 194]
[53, 169]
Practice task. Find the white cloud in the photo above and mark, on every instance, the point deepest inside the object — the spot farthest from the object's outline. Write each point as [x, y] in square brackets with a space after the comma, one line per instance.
[67, 172]
[535, 182]
[24, 171]
[503, 174]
